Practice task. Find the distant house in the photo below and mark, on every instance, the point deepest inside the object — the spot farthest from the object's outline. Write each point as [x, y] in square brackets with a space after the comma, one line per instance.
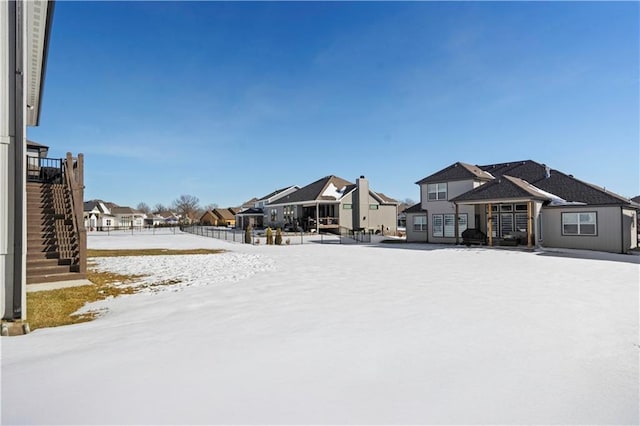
[521, 202]
[153, 219]
[97, 215]
[255, 215]
[332, 203]
[127, 217]
[170, 218]
[219, 217]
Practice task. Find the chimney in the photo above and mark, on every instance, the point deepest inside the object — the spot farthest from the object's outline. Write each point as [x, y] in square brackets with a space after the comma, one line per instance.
[362, 210]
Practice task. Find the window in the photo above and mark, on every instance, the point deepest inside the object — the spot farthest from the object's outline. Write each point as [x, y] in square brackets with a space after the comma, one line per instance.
[444, 225]
[522, 222]
[436, 191]
[583, 223]
[449, 225]
[108, 222]
[373, 207]
[506, 207]
[436, 220]
[420, 223]
[521, 207]
[274, 215]
[347, 206]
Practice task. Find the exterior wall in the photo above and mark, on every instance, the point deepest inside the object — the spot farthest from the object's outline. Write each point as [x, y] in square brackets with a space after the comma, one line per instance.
[453, 190]
[414, 236]
[609, 235]
[346, 215]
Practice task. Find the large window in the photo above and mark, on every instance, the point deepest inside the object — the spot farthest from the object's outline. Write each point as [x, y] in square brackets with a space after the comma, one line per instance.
[420, 223]
[583, 223]
[436, 191]
[444, 225]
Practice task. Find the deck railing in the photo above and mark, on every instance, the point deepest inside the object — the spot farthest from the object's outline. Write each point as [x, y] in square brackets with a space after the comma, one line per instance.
[75, 181]
[45, 170]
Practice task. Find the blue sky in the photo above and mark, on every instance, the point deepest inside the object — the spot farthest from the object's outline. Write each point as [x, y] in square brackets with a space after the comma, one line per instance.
[231, 100]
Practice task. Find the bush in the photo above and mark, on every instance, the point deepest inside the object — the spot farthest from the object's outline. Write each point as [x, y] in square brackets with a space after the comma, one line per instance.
[269, 237]
[278, 237]
[247, 235]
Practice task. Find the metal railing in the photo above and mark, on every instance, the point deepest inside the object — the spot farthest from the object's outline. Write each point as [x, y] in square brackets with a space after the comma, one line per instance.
[45, 170]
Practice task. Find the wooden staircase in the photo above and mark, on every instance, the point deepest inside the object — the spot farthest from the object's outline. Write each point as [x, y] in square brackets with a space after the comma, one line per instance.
[53, 243]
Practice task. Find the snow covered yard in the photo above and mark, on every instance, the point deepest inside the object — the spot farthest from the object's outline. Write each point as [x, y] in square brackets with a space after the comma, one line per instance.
[316, 334]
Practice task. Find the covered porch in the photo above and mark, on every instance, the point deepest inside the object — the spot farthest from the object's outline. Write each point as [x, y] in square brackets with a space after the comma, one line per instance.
[321, 216]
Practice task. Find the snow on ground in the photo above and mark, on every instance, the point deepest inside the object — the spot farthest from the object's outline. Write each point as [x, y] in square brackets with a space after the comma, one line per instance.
[343, 334]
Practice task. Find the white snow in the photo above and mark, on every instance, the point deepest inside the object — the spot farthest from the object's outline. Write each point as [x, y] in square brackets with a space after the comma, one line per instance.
[333, 191]
[341, 334]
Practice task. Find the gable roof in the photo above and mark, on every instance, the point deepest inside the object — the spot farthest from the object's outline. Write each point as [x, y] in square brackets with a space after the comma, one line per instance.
[251, 212]
[276, 192]
[125, 210]
[521, 176]
[324, 189]
[249, 203]
[416, 208]
[224, 214]
[457, 171]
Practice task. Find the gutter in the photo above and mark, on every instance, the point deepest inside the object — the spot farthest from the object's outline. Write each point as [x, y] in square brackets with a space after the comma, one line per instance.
[45, 55]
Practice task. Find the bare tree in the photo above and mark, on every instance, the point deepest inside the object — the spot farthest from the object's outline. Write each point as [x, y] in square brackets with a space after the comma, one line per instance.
[408, 201]
[143, 207]
[210, 206]
[187, 206]
[159, 207]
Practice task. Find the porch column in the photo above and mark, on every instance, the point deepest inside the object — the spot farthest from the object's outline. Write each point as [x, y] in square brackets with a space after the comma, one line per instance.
[456, 225]
[490, 226]
[317, 218]
[529, 224]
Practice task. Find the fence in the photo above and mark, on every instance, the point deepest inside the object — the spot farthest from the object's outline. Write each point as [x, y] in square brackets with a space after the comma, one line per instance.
[147, 230]
[258, 236]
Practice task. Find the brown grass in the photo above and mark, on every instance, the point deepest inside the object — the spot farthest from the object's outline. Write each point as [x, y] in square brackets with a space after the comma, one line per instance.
[54, 308]
[149, 252]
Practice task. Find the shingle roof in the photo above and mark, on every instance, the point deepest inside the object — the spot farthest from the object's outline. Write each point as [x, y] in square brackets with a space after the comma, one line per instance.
[416, 208]
[251, 212]
[504, 187]
[457, 171]
[557, 183]
[124, 210]
[314, 191]
[224, 214]
[276, 192]
[386, 199]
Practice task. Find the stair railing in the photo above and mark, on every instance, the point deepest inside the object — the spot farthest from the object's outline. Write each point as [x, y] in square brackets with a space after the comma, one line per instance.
[74, 174]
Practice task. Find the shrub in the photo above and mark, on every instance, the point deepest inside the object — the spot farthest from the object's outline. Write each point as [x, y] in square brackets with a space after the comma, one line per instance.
[269, 237]
[287, 241]
[247, 235]
[278, 237]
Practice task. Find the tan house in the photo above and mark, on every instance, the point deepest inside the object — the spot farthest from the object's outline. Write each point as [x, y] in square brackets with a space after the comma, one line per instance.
[521, 202]
[219, 217]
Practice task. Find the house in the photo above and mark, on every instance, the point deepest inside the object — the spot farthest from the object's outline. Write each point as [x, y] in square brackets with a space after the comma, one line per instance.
[127, 217]
[524, 202]
[219, 217]
[97, 215]
[42, 237]
[153, 220]
[255, 215]
[331, 204]
[169, 218]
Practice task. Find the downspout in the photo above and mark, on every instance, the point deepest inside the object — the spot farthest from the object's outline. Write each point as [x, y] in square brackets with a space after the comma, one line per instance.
[456, 226]
[622, 248]
[19, 202]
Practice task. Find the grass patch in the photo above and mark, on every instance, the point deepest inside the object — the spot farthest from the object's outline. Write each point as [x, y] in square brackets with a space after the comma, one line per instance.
[54, 308]
[149, 252]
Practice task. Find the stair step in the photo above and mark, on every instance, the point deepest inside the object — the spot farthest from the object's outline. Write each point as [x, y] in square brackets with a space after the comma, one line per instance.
[67, 276]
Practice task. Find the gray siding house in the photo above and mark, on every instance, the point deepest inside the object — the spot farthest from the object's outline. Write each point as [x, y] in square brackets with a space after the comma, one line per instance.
[331, 204]
[522, 201]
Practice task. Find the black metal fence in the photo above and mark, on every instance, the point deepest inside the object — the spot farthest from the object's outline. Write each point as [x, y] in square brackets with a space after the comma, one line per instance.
[227, 234]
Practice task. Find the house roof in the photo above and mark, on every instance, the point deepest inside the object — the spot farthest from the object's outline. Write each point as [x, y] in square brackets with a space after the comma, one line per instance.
[249, 203]
[276, 192]
[125, 210]
[328, 188]
[636, 199]
[521, 175]
[87, 206]
[504, 187]
[416, 208]
[385, 199]
[251, 212]
[457, 171]
[224, 214]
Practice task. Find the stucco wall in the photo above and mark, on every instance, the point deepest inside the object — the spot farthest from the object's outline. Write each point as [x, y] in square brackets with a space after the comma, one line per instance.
[414, 236]
[609, 229]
